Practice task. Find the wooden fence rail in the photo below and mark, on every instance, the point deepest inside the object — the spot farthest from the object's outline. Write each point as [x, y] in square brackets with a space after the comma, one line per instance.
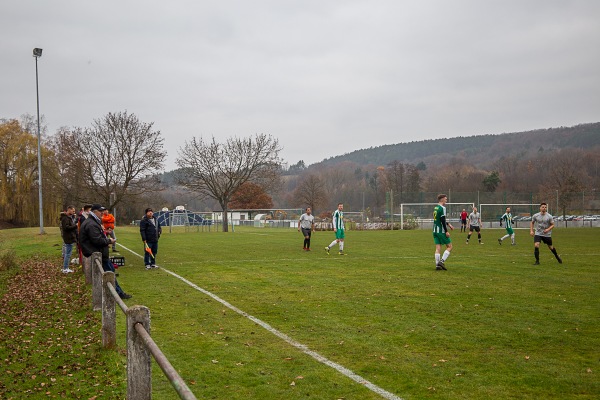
[140, 346]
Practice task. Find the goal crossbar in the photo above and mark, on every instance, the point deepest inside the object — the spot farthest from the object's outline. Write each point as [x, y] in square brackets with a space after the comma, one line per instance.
[426, 204]
[506, 205]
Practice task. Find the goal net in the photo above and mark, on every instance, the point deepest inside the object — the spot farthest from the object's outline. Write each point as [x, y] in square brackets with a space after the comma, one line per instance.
[521, 213]
[420, 215]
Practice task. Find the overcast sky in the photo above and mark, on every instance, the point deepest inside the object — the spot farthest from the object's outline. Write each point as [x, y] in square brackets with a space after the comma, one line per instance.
[323, 77]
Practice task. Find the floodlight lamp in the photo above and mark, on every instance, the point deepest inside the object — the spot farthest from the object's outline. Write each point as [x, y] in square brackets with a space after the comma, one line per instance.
[37, 52]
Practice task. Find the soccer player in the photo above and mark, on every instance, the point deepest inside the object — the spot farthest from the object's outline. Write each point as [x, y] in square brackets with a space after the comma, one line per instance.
[440, 233]
[507, 218]
[474, 225]
[338, 228]
[307, 224]
[463, 220]
[543, 232]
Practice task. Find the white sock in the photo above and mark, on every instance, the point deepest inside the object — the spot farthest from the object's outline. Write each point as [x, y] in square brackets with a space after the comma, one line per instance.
[341, 246]
[437, 258]
[504, 237]
[512, 238]
[332, 244]
[446, 255]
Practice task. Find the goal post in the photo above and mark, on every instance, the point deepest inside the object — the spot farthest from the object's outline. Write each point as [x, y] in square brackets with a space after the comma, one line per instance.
[423, 211]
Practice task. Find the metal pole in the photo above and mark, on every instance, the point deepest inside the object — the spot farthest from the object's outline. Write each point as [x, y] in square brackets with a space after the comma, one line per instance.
[39, 149]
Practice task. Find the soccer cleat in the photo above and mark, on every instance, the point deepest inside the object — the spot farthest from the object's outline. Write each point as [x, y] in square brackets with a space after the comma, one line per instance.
[341, 253]
[467, 242]
[441, 265]
[148, 266]
[154, 266]
[536, 263]
[513, 244]
[480, 242]
[304, 248]
[307, 249]
[67, 271]
[125, 296]
[438, 268]
[559, 259]
[327, 250]
[500, 242]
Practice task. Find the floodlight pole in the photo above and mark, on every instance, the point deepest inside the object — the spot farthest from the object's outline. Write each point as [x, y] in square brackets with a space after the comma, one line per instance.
[38, 53]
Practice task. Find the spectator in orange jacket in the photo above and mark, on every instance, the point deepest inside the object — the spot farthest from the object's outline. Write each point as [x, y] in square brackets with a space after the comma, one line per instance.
[108, 221]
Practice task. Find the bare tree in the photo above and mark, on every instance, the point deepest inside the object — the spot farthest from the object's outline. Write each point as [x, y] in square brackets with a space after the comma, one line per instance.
[217, 170]
[119, 155]
[310, 192]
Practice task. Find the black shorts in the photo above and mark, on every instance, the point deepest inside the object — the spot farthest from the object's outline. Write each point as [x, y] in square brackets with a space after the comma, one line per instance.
[544, 239]
[463, 221]
[474, 228]
[306, 232]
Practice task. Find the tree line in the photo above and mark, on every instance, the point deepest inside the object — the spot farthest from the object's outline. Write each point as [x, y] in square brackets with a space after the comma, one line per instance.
[119, 161]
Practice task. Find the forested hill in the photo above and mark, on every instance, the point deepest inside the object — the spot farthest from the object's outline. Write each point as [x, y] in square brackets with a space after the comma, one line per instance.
[481, 151]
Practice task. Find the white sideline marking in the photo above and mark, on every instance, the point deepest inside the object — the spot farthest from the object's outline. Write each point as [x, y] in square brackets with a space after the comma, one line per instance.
[341, 369]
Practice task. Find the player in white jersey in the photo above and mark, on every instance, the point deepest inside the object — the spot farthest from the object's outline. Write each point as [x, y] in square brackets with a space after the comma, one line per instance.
[543, 232]
[306, 223]
[474, 224]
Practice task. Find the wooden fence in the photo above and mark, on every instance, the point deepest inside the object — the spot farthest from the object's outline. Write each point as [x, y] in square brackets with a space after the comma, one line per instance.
[140, 346]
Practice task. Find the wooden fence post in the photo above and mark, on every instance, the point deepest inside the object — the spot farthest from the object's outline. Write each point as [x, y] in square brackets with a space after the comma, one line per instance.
[87, 269]
[109, 318]
[139, 369]
[96, 281]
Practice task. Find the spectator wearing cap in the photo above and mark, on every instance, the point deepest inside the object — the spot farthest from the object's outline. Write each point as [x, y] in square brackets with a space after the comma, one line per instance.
[92, 239]
[150, 230]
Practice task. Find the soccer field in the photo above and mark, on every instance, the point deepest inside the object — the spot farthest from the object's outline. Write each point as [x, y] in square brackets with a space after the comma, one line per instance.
[492, 326]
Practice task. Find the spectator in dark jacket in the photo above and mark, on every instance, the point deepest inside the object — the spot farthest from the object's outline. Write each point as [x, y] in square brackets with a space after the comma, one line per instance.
[82, 216]
[68, 230]
[92, 239]
[150, 230]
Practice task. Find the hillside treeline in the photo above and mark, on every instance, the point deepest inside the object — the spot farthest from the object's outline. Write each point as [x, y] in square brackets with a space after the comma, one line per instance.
[118, 161]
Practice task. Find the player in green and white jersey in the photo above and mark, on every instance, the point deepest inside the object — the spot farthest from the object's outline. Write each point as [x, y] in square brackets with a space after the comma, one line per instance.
[507, 219]
[543, 232]
[338, 228]
[440, 233]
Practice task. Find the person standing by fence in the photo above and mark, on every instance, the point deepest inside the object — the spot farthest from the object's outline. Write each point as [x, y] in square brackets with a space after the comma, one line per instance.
[306, 223]
[93, 240]
[68, 230]
[150, 230]
[108, 221]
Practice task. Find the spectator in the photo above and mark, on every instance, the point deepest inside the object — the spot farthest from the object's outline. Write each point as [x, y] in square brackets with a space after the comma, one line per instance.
[83, 214]
[68, 230]
[93, 239]
[108, 221]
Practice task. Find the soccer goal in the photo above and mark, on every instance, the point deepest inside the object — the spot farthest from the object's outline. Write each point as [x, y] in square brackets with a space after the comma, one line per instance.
[419, 215]
[521, 213]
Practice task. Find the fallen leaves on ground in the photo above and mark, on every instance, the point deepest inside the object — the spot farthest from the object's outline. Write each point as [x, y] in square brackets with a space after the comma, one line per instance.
[49, 336]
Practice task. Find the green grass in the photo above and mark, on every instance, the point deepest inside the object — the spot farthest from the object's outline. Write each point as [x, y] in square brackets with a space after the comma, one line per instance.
[492, 326]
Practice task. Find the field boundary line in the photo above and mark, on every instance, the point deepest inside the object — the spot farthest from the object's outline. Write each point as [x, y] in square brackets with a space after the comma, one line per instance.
[324, 360]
